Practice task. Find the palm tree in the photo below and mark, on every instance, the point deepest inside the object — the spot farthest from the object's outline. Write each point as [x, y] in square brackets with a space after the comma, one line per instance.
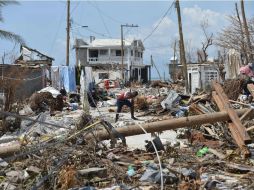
[6, 34]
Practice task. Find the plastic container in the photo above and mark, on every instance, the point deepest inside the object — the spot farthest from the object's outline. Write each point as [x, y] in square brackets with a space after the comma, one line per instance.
[202, 152]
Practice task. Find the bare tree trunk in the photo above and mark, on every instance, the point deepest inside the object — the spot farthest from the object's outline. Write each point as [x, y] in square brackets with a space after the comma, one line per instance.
[247, 33]
[242, 34]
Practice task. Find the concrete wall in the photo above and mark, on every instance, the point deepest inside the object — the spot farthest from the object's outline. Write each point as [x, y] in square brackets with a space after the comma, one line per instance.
[81, 56]
[112, 75]
[200, 76]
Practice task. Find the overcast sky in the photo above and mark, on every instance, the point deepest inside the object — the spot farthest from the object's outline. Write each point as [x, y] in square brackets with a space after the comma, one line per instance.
[43, 24]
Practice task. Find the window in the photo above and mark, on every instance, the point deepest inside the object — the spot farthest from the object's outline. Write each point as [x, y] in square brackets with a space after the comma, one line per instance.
[93, 53]
[118, 53]
[212, 75]
[103, 75]
[141, 55]
[131, 52]
[103, 52]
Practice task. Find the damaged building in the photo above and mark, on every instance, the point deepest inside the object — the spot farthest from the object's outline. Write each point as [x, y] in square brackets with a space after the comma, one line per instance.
[105, 58]
[28, 74]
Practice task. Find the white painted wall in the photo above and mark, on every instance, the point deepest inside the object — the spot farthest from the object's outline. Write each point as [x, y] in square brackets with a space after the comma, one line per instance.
[113, 75]
[201, 76]
[195, 76]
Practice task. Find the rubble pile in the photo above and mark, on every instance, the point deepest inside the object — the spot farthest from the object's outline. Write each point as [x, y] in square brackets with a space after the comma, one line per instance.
[199, 141]
[233, 87]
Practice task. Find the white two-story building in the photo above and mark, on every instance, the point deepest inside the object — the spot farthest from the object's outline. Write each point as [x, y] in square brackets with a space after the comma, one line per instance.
[105, 58]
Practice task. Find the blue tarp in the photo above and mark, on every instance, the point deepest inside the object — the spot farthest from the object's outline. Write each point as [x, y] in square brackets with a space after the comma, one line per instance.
[72, 79]
[63, 77]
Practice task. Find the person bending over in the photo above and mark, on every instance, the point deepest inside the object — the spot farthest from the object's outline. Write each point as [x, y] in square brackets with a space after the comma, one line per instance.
[123, 99]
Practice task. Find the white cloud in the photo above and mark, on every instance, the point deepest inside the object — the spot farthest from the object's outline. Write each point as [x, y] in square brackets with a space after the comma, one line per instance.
[196, 15]
[160, 43]
[192, 18]
[157, 43]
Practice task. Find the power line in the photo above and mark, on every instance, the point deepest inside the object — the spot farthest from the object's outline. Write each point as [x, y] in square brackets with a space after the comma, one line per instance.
[109, 17]
[128, 30]
[93, 31]
[75, 7]
[165, 14]
[97, 8]
[98, 33]
[77, 32]
[157, 47]
[58, 29]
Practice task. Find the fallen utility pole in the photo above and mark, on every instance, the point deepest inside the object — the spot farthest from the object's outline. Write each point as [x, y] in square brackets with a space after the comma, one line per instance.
[168, 124]
[14, 146]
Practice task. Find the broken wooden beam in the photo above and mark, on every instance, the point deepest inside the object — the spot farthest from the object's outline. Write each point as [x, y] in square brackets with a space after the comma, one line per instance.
[240, 103]
[233, 130]
[168, 124]
[246, 114]
[251, 89]
[231, 112]
[250, 128]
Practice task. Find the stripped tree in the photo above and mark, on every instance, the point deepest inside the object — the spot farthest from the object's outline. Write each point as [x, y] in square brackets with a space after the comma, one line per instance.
[208, 41]
[234, 37]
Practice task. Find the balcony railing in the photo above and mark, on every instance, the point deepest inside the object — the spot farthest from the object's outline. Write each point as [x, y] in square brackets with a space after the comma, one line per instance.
[114, 59]
[105, 60]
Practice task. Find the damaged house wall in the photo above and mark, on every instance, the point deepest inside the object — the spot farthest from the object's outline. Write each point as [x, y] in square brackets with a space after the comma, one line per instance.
[32, 57]
[27, 75]
[174, 70]
[25, 80]
[201, 75]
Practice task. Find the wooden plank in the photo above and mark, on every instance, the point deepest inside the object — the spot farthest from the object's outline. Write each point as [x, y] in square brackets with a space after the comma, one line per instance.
[231, 112]
[236, 102]
[217, 100]
[251, 89]
[246, 114]
[233, 130]
[250, 128]
[216, 153]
